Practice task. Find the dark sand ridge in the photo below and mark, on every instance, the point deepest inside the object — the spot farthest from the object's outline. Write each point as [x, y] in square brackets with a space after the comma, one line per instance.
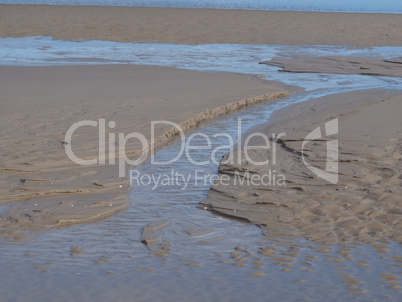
[364, 206]
[339, 65]
[41, 187]
[200, 26]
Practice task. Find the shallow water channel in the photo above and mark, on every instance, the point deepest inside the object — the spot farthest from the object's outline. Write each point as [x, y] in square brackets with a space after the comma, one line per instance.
[198, 256]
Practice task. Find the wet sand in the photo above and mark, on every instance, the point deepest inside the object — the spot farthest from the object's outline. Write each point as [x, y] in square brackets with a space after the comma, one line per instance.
[361, 204]
[200, 26]
[41, 187]
[109, 260]
[41, 103]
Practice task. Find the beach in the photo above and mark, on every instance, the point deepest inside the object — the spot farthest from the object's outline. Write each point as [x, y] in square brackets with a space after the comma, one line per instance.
[361, 206]
[199, 26]
[43, 186]
[43, 102]
[305, 206]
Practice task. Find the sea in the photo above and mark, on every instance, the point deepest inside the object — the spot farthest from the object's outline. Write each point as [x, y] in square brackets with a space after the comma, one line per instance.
[356, 6]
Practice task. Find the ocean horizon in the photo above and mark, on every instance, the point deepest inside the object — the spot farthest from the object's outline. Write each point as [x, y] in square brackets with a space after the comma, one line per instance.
[355, 6]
